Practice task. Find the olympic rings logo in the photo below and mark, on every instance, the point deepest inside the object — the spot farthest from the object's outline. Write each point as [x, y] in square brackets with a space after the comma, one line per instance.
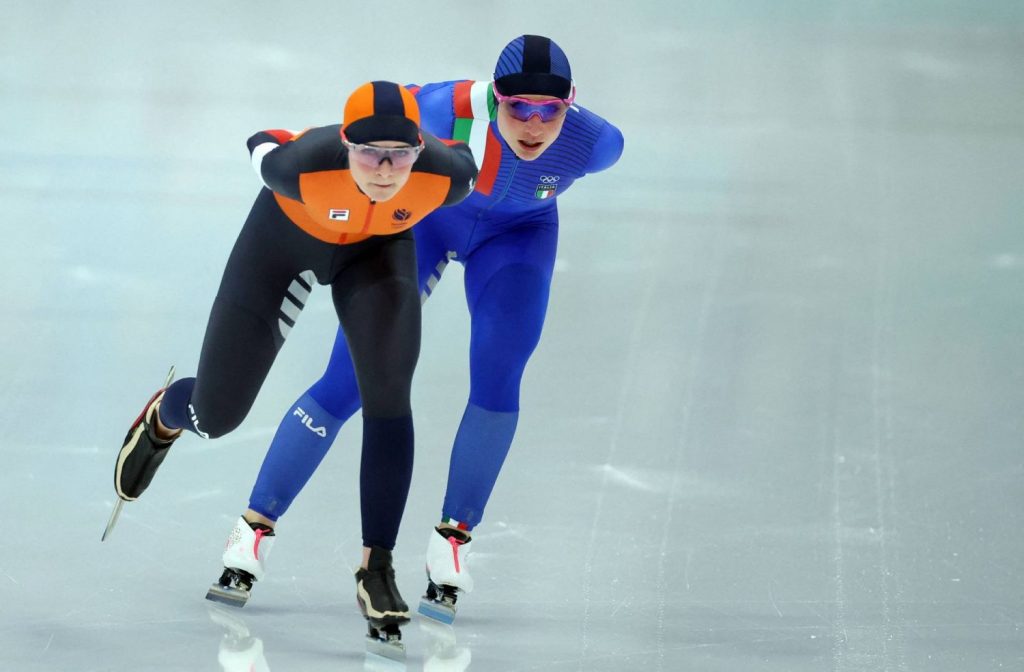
[550, 179]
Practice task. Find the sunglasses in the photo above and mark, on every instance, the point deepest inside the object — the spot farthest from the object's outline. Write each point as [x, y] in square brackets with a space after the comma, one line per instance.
[372, 156]
[522, 109]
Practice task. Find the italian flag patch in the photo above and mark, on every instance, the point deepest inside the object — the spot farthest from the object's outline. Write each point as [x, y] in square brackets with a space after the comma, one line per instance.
[545, 191]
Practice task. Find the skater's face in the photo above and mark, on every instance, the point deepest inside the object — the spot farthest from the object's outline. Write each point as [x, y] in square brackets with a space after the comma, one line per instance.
[529, 139]
[383, 181]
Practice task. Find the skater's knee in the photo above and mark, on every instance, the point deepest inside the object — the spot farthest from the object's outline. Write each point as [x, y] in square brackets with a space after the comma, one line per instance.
[210, 416]
[495, 382]
[385, 381]
[214, 423]
[387, 401]
[508, 319]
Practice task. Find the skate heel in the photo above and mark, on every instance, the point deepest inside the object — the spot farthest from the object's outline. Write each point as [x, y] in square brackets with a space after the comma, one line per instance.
[232, 588]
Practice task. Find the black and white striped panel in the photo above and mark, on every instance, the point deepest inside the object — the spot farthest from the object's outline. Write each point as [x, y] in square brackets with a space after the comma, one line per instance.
[435, 277]
[294, 301]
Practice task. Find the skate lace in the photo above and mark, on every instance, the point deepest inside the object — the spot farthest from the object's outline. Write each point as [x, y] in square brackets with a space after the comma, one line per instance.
[256, 544]
[455, 543]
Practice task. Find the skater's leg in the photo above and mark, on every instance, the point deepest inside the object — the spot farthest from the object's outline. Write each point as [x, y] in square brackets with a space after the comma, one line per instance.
[508, 281]
[379, 307]
[251, 316]
[253, 312]
[507, 286]
[304, 437]
[238, 351]
[300, 444]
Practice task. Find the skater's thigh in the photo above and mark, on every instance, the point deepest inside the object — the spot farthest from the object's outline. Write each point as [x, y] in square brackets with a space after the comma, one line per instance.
[434, 250]
[379, 308]
[508, 281]
[338, 390]
[262, 291]
[526, 253]
[271, 261]
[238, 351]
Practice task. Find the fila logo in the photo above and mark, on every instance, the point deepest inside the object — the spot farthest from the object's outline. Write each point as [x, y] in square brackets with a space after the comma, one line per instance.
[307, 420]
[550, 179]
[195, 422]
[338, 215]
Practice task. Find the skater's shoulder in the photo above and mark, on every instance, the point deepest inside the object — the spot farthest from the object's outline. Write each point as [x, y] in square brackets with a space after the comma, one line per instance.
[597, 138]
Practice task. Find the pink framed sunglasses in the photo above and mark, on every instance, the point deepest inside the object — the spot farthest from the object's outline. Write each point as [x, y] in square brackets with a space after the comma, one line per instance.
[524, 108]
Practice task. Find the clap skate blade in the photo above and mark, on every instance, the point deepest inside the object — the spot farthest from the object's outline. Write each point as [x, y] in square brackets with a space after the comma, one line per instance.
[385, 640]
[439, 603]
[233, 588]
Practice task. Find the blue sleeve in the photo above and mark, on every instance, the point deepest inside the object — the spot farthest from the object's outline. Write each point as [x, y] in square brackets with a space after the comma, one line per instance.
[437, 108]
[607, 149]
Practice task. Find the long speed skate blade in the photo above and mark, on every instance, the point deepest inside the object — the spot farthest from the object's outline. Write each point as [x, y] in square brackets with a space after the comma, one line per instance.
[233, 597]
[114, 515]
[439, 611]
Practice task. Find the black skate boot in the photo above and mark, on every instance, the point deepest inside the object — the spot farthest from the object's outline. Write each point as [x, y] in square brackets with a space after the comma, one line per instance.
[141, 454]
[382, 606]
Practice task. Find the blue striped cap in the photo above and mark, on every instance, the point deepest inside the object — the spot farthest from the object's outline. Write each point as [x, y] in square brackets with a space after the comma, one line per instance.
[531, 64]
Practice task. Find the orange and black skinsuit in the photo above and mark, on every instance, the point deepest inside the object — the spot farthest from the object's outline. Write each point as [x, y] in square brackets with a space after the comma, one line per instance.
[312, 224]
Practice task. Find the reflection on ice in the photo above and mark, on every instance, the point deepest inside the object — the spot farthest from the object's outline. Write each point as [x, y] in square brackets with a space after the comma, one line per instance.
[441, 650]
[239, 650]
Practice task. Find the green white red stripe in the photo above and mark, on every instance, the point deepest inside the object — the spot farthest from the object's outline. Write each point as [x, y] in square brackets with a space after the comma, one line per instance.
[474, 103]
[454, 523]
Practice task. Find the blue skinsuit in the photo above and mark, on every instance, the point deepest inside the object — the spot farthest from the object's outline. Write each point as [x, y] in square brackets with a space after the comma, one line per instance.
[505, 234]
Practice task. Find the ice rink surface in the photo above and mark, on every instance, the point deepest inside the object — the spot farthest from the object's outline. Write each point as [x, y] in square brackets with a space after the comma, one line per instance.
[774, 423]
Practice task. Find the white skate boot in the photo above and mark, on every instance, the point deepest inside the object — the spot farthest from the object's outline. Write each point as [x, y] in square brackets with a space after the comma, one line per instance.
[245, 555]
[447, 573]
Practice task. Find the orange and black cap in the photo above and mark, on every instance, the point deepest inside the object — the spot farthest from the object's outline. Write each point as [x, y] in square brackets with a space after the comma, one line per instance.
[382, 111]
